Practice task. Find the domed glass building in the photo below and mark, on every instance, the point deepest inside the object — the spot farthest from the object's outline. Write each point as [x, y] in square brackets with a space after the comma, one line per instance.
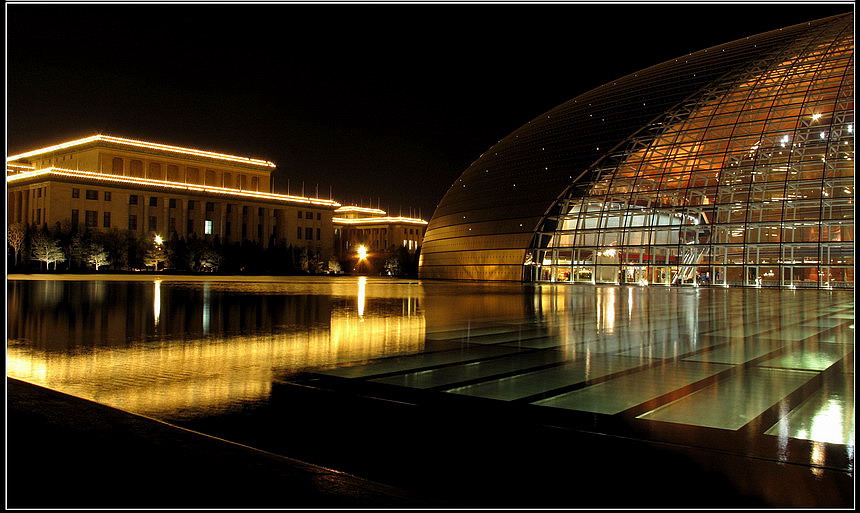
[731, 166]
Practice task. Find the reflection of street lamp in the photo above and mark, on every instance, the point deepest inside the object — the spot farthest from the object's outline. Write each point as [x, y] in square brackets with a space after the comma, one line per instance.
[362, 283]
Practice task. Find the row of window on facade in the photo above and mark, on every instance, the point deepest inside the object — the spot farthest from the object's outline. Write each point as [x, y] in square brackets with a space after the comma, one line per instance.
[192, 175]
[90, 218]
[91, 221]
[135, 199]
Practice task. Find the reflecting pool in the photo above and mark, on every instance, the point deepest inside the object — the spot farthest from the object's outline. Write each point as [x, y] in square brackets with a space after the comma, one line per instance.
[768, 364]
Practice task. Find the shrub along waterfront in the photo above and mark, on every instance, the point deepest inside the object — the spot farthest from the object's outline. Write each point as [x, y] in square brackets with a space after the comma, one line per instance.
[65, 248]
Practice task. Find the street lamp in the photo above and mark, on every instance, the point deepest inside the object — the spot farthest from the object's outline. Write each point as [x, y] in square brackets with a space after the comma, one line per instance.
[158, 243]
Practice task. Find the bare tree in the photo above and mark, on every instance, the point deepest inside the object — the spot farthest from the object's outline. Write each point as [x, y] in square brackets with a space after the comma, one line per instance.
[15, 235]
[333, 265]
[392, 266]
[97, 255]
[47, 249]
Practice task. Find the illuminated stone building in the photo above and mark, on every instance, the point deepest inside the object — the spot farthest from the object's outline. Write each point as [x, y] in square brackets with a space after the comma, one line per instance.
[375, 230]
[730, 166]
[103, 182]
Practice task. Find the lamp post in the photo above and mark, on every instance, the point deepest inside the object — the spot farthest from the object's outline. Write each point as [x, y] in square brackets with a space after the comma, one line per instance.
[361, 252]
[158, 243]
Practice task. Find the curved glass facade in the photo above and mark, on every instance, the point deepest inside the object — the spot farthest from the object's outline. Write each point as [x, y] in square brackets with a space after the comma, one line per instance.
[731, 166]
[750, 183]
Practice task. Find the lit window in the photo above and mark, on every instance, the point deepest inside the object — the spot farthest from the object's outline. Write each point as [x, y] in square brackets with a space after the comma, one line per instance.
[207, 227]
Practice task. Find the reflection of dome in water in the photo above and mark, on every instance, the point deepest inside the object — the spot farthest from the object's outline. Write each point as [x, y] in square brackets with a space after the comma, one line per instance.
[729, 166]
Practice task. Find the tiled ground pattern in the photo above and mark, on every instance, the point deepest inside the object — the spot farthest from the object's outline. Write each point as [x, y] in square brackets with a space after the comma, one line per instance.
[721, 368]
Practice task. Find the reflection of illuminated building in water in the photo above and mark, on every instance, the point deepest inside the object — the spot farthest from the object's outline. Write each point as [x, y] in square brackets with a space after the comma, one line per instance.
[170, 348]
[733, 165]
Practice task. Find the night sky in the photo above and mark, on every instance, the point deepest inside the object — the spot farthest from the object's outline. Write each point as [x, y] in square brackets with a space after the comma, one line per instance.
[389, 102]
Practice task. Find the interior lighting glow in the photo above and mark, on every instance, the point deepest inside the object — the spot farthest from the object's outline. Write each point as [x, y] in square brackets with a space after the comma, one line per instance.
[142, 144]
[125, 180]
[816, 116]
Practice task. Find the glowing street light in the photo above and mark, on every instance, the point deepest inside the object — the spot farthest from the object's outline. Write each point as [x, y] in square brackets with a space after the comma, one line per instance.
[362, 252]
[158, 240]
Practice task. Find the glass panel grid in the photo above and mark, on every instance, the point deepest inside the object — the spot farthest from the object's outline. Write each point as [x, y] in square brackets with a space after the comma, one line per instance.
[750, 183]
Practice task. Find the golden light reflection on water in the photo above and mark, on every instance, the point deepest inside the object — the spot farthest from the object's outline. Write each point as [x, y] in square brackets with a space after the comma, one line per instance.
[362, 288]
[209, 374]
[177, 375]
[156, 301]
[817, 457]
[828, 424]
[178, 346]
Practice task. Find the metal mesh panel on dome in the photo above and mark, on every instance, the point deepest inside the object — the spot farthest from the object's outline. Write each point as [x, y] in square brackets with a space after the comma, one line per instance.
[516, 189]
[749, 184]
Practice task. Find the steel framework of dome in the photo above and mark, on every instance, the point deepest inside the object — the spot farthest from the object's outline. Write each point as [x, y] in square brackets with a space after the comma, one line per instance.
[733, 165]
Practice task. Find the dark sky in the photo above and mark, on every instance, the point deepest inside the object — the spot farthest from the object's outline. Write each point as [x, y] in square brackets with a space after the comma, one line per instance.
[377, 101]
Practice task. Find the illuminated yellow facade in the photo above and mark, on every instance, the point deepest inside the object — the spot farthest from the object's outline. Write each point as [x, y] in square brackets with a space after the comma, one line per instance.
[375, 230]
[104, 182]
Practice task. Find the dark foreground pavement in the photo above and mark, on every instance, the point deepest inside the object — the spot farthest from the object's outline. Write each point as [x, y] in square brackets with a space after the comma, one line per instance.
[67, 452]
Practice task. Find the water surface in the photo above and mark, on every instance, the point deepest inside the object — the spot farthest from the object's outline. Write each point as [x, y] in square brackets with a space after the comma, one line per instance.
[777, 364]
